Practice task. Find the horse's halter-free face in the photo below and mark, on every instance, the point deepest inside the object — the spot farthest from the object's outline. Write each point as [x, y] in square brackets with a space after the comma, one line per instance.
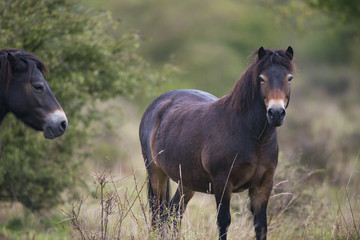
[30, 99]
[275, 83]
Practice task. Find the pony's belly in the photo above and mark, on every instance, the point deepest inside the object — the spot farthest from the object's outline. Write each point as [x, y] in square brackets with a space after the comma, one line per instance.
[189, 174]
[202, 185]
[199, 181]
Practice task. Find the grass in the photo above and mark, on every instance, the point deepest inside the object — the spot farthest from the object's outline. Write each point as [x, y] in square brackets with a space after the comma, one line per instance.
[18, 223]
[295, 212]
[123, 213]
[302, 205]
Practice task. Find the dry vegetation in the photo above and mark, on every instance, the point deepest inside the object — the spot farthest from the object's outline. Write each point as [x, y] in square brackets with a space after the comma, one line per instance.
[299, 209]
[303, 205]
[306, 202]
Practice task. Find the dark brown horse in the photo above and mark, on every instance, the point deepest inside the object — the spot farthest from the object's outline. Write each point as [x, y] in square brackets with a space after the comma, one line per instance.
[25, 93]
[219, 146]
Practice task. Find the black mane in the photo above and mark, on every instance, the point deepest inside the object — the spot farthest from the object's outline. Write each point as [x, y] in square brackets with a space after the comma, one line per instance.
[30, 59]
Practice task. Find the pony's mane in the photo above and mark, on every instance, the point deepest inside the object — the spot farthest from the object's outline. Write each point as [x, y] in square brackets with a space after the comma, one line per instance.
[242, 95]
[30, 59]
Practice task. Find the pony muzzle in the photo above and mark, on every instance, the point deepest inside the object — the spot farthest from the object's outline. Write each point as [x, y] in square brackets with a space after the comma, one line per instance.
[56, 124]
[276, 113]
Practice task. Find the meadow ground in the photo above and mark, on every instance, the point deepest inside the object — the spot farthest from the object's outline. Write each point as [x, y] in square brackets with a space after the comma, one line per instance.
[302, 205]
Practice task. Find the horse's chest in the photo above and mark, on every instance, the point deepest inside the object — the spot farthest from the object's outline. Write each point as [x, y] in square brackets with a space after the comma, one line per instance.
[251, 172]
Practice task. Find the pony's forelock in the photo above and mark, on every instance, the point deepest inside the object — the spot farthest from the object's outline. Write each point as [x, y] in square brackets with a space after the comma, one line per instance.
[30, 59]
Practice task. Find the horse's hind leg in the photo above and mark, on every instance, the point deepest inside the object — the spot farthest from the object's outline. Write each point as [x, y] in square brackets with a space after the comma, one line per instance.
[178, 204]
[158, 194]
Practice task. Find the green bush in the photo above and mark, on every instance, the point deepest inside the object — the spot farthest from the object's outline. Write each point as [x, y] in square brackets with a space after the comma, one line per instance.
[14, 224]
[87, 64]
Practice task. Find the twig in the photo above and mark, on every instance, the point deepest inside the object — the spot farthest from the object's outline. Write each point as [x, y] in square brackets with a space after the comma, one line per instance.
[138, 195]
[344, 219]
[284, 209]
[73, 215]
[351, 211]
[354, 168]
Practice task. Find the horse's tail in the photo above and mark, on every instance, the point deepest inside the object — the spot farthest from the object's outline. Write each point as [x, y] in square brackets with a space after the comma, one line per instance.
[148, 128]
[151, 195]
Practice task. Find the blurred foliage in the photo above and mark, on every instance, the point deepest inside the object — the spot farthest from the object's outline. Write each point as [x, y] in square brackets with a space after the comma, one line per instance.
[210, 41]
[344, 16]
[94, 56]
[14, 224]
[87, 65]
[345, 11]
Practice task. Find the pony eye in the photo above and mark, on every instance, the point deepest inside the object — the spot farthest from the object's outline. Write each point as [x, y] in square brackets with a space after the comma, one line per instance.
[261, 80]
[290, 78]
[38, 87]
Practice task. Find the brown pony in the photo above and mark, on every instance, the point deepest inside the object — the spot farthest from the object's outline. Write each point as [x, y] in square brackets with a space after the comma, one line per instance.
[218, 146]
[25, 92]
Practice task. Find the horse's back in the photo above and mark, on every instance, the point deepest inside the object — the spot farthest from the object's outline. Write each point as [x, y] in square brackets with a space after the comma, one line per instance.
[162, 105]
[185, 95]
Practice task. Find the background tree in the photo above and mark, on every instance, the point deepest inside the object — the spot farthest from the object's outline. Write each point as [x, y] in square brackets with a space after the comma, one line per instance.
[211, 45]
[347, 11]
[87, 65]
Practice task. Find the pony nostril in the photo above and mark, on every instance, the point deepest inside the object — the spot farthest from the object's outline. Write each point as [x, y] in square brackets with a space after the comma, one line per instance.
[271, 113]
[282, 113]
[63, 125]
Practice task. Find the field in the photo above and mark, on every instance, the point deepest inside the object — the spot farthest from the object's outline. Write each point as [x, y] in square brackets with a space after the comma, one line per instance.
[118, 56]
[304, 204]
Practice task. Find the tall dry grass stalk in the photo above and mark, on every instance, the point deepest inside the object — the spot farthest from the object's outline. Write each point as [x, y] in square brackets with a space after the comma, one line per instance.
[347, 220]
[115, 206]
[300, 207]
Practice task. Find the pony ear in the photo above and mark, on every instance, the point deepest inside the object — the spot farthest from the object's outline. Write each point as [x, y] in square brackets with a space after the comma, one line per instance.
[261, 52]
[12, 59]
[15, 62]
[290, 53]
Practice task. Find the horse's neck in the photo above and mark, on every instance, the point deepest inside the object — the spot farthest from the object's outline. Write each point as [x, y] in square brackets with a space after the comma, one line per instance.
[256, 120]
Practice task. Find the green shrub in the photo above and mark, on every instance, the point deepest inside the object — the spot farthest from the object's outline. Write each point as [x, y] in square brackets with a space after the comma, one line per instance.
[87, 65]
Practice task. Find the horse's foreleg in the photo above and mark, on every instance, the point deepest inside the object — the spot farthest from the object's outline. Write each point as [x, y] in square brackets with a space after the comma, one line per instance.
[259, 197]
[222, 196]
